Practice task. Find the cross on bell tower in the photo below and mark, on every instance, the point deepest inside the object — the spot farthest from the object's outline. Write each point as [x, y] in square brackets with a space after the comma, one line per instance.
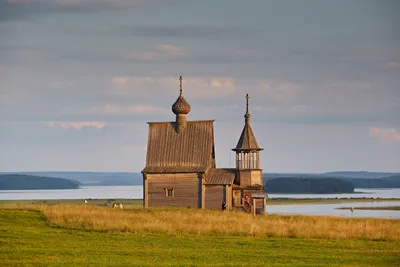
[247, 114]
[247, 103]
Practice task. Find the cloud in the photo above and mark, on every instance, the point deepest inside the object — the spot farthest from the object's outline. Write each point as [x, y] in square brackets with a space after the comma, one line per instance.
[86, 4]
[224, 83]
[125, 110]
[160, 52]
[391, 65]
[197, 87]
[3, 71]
[210, 87]
[278, 90]
[27, 9]
[386, 135]
[120, 80]
[185, 31]
[61, 84]
[170, 49]
[348, 86]
[76, 124]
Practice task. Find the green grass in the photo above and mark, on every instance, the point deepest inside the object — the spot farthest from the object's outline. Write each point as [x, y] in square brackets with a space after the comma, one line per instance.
[26, 239]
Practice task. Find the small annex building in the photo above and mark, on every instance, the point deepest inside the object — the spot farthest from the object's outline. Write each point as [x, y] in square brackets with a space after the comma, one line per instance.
[180, 164]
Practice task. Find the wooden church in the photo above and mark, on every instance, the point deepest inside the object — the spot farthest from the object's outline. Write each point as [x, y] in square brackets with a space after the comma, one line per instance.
[181, 170]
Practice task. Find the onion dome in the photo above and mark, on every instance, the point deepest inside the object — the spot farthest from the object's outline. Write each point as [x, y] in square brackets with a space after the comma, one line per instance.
[181, 106]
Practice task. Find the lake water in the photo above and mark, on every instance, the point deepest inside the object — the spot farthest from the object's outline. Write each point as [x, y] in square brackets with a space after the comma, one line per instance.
[136, 192]
[98, 192]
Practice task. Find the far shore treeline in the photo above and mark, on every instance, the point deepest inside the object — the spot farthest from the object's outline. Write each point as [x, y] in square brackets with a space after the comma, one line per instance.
[307, 185]
[31, 182]
[334, 182]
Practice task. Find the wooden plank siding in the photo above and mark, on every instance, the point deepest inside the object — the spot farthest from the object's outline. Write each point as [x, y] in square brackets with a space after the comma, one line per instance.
[256, 177]
[249, 177]
[215, 195]
[229, 197]
[187, 189]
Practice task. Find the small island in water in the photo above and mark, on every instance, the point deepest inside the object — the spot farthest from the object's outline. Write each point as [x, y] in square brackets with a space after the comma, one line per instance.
[31, 182]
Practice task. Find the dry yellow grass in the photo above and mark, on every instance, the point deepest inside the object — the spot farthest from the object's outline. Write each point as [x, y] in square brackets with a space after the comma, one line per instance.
[215, 223]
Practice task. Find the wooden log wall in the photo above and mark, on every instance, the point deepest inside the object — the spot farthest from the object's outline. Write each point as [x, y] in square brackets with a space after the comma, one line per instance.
[215, 195]
[256, 177]
[249, 177]
[186, 190]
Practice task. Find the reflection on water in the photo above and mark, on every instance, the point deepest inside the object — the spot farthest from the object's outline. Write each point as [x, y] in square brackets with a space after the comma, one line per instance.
[136, 192]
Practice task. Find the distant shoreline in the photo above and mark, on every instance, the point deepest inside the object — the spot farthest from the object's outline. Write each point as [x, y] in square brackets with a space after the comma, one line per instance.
[397, 208]
[138, 202]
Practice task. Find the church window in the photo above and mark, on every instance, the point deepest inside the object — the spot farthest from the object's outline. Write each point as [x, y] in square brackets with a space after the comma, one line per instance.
[169, 192]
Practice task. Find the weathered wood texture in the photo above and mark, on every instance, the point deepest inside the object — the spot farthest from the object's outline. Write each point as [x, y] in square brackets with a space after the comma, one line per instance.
[259, 205]
[220, 176]
[247, 140]
[215, 195]
[252, 191]
[248, 177]
[229, 197]
[186, 186]
[256, 177]
[237, 195]
[145, 191]
[189, 151]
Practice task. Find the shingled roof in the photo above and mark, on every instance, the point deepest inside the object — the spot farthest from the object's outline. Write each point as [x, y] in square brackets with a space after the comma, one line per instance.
[247, 140]
[187, 151]
[220, 176]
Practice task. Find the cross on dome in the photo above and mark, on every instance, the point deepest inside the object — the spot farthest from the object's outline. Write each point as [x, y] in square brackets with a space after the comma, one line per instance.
[181, 106]
[180, 85]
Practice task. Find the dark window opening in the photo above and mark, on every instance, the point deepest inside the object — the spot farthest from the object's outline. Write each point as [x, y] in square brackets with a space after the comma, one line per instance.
[169, 192]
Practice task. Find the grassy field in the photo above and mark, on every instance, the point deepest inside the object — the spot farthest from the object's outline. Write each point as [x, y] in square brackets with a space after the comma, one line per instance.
[215, 223]
[372, 208]
[27, 239]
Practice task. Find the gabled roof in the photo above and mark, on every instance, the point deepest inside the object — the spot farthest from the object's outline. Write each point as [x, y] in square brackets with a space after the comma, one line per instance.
[220, 176]
[247, 140]
[187, 151]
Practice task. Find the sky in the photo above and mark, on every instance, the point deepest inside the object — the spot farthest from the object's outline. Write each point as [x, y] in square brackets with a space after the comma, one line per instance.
[79, 79]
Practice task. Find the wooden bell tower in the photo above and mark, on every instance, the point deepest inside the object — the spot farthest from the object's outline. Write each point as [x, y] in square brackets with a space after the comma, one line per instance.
[248, 171]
